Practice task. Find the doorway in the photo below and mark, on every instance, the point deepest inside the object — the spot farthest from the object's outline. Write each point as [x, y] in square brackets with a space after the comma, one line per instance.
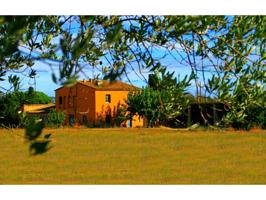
[71, 120]
[108, 121]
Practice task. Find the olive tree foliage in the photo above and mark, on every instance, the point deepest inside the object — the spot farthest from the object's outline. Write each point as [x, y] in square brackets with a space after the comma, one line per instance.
[172, 94]
[162, 101]
[230, 49]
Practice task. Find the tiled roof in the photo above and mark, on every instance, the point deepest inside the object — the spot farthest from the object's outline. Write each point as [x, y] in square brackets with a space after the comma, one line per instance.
[104, 85]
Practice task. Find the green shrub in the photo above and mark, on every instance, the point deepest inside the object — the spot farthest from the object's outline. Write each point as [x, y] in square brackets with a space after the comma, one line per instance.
[55, 119]
[121, 116]
[254, 117]
[11, 103]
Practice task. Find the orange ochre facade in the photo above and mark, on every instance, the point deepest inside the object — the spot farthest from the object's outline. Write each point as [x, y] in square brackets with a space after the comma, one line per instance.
[95, 103]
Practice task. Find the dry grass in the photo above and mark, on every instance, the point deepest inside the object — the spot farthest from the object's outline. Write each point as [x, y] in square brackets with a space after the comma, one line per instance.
[136, 156]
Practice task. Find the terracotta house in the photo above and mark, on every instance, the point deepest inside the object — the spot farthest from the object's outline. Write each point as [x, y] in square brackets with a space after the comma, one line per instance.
[94, 102]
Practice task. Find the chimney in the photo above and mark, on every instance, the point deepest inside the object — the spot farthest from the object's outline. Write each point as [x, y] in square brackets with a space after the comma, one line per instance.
[99, 82]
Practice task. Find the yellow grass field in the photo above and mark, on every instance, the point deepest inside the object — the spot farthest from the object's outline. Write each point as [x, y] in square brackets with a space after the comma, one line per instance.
[136, 156]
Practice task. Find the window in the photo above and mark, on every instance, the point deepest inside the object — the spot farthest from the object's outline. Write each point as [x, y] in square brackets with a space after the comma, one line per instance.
[60, 100]
[108, 98]
[71, 120]
[108, 121]
[74, 102]
[64, 102]
[69, 102]
[84, 119]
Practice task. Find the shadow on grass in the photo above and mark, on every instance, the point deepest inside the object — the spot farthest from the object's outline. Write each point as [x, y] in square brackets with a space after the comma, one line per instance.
[39, 147]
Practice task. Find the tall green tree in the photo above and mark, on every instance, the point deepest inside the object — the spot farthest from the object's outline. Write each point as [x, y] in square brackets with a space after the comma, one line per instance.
[36, 97]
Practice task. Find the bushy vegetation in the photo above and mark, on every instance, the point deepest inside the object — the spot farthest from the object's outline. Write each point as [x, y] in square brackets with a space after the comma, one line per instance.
[245, 99]
[55, 119]
[36, 97]
[122, 115]
[12, 102]
[253, 117]
[162, 101]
